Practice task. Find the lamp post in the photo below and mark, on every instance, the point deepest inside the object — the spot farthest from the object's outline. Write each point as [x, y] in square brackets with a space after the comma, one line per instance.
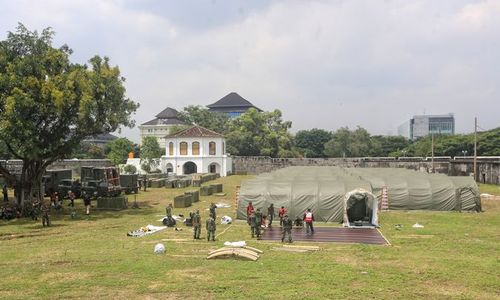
[464, 152]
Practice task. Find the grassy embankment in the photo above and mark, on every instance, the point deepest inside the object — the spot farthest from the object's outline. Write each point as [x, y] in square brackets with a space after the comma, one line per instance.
[455, 256]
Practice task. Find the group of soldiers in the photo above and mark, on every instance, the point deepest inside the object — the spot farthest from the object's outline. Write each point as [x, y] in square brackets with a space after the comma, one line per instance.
[211, 225]
[256, 220]
[41, 209]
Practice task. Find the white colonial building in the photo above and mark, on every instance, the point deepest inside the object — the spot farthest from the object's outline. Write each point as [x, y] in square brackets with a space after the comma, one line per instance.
[160, 126]
[196, 150]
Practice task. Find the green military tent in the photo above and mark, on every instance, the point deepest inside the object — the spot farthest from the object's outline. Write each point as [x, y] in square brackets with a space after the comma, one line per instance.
[324, 190]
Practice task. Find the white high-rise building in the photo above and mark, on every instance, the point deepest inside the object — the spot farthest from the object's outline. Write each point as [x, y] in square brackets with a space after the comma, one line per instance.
[420, 126]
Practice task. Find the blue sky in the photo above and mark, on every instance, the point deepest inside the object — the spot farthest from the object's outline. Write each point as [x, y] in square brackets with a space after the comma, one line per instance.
[325, 64]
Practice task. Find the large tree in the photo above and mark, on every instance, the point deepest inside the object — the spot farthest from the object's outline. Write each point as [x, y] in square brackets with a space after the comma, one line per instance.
[48, 104]
[4, 151]
[117, 151]
[347, 143]
[88, 151]
[150, 153]
[388, 145]
[488, 143]
[260, 133]
[199, 115]
[339, 145]
[311, 143]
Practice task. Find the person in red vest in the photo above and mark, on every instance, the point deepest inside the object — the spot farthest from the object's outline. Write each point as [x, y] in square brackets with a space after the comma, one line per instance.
[308, 219]
[281, 214]
[250, 211]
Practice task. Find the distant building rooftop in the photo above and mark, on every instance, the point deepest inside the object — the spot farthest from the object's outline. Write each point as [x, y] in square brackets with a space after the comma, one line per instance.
[232, 104]
[195, 131]
[168, 116]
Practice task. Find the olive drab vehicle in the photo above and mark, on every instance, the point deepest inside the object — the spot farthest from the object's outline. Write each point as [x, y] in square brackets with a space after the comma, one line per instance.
[52, 179]
[101, 182]
[67, 185]
[129, 183]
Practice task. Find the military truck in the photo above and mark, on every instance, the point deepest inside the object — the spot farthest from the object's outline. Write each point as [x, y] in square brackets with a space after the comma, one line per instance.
[67, 185]
[101, 182]
[129, 183]
[52, 179]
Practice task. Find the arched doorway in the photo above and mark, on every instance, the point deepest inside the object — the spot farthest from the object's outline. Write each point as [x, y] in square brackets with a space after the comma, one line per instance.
[360, 209]
[214, 168]
[170, 168]
[189, 168]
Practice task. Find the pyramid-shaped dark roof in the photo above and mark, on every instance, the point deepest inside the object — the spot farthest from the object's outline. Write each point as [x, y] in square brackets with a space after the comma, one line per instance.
[167, 113]
[232, 100]
[195, 131]
[168, 116]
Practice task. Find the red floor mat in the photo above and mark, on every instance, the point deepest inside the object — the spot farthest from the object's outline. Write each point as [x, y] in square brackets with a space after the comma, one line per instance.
[330, 234]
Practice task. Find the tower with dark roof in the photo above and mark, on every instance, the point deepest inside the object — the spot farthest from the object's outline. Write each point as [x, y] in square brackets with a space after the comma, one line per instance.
[160, 126]
[232, 105]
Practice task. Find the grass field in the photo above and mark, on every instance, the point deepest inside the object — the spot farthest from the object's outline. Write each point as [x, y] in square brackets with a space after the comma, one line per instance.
[491, 189]
[455, 256]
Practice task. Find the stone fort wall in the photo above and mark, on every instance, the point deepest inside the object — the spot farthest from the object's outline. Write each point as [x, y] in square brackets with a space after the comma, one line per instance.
[488, 168]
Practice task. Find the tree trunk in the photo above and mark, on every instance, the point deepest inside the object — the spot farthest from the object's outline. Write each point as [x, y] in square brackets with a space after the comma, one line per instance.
[30, 181]
[20, 186]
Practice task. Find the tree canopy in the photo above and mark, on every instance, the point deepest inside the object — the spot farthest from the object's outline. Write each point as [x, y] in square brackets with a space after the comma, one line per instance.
[150, 150]
[117, 150]
[201, 116]
[88, 151]
[488, 143]
[311, 143]
[260, 133]
[252, 133]
[48, 104]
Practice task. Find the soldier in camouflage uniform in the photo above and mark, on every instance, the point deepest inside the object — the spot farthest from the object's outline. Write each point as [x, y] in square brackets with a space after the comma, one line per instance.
[35, 210]
[71, 197]
[45, 215]
[258, 223]
[196, 224]
[213, 213]
[253, 224]
[211, 227]
[168, 211]
[270, 214]
[287, 229]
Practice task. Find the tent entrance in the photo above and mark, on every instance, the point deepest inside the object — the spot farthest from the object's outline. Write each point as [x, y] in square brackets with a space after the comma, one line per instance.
[360, 209]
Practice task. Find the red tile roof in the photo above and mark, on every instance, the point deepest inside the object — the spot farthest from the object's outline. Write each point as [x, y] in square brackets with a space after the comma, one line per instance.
[195, 131]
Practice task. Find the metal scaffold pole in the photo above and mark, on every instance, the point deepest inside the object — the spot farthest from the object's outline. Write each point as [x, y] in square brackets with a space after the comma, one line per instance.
[475, 149]
[432, 151]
